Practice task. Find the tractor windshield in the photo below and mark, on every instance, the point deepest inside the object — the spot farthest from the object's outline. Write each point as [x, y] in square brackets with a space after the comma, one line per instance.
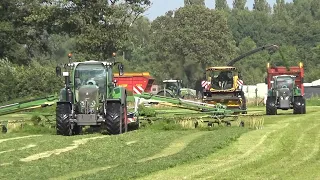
[221, 80]
[171, 85]
[284, 82]
[90, 74]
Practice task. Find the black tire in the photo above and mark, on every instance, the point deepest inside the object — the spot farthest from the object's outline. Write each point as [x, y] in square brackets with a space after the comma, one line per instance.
[63, 124]
[271, 108]
[115, 116]
[299, 105]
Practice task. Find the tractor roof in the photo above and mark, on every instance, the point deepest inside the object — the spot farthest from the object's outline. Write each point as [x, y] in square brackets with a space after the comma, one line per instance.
[171, 80]
[74, 64]
[285, 75]
[219, 68]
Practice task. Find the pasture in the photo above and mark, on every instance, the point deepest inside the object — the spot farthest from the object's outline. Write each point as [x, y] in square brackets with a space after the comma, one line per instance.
[287, 147]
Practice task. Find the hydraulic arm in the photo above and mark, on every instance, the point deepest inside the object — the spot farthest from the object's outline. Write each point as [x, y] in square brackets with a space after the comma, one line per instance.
[217, 109]
[29, 104]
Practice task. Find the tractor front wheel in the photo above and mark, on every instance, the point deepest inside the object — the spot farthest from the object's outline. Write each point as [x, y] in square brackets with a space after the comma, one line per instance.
[115, 118]
[271, 108]
[299, 105]
[63, 123]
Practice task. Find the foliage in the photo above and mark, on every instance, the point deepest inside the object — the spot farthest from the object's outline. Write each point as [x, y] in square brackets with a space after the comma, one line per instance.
[23, 81]
[145, 111]
[37, 35]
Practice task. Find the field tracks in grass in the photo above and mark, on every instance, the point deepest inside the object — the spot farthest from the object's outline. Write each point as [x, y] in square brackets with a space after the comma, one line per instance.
[173, 148]
[19, 149]
[16, 138]
[74, 145]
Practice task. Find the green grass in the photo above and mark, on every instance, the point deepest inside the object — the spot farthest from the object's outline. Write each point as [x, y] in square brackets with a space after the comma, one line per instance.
[123, 150]
[286, 148]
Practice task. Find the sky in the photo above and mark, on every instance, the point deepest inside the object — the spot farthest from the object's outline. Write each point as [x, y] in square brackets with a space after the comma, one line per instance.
[160, 7]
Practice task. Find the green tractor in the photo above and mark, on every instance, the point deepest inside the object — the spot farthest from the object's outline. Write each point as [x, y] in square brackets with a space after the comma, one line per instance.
[91, 98]
[284, 94]
[173, 88]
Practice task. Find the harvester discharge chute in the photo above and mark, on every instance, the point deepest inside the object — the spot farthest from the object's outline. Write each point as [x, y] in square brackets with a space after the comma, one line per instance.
[224, 84]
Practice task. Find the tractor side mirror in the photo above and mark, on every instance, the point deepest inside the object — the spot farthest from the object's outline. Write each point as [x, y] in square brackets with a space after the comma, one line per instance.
[58, 71]
[120, 67]
[266, 80]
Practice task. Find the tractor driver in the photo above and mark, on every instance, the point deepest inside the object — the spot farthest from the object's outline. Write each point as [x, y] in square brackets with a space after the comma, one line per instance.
[224, 78]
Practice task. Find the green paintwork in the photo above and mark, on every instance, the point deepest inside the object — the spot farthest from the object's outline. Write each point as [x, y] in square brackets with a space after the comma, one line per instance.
[118, 93]
[24, 105]
[110, 92]
[295, 90]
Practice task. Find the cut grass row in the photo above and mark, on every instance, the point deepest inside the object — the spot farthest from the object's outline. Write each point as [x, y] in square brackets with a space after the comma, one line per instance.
[287, 148]
[134, 154]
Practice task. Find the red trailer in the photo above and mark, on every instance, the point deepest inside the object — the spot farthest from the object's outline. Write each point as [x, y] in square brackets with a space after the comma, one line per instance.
[297, 71]
[135, 82]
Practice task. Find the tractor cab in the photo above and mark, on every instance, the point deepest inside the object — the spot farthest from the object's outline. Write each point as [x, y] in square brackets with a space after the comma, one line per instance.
[91, 76]
[222, 78]
[173, 85]
[283, 82]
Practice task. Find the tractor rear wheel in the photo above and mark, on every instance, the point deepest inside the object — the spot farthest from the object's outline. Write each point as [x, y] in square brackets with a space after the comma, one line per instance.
[63, 123]
[115, 118]
[299, 105]
[271, 108]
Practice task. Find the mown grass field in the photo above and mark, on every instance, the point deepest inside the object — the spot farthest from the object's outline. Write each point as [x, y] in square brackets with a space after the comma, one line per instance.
[286, 148]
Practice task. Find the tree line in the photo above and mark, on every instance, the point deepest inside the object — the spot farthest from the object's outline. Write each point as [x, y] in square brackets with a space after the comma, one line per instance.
[179, 44]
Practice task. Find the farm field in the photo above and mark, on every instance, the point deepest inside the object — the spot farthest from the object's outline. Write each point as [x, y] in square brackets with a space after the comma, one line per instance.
[286, 148]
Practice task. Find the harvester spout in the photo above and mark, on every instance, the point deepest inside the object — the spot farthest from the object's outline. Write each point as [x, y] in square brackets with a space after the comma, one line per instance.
[268, 47]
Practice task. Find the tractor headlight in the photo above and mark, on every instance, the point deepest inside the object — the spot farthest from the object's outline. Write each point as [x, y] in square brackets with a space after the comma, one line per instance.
[93, 104]
[82, 104]
[284, 97]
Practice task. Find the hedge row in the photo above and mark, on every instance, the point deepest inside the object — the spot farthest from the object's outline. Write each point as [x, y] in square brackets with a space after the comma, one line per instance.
[19, 82]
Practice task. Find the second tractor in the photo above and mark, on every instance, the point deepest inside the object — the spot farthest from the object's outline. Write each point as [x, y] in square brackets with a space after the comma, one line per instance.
[285, 89]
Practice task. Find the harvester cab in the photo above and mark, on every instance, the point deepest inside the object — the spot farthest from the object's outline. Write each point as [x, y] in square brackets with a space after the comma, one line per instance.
[285, 89]
[223, 78]
[225, 87]
[90, 98]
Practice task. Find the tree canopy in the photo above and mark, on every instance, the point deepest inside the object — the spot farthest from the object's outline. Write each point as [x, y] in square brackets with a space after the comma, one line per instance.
[37, 34]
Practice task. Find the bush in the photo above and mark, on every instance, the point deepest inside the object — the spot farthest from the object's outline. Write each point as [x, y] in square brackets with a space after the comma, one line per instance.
[18, 82]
